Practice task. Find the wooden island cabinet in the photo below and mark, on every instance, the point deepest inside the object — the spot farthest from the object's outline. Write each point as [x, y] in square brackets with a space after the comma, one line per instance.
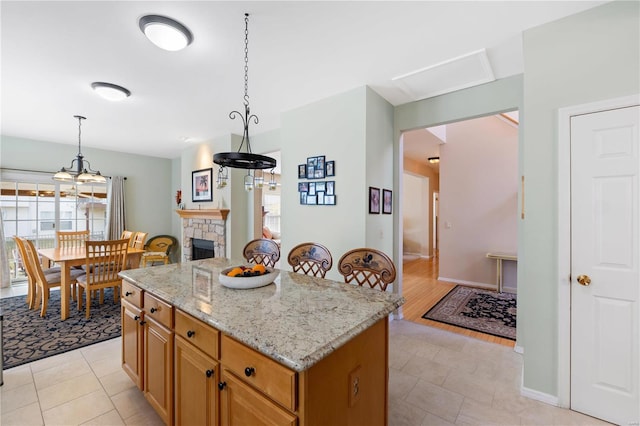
[267, 356]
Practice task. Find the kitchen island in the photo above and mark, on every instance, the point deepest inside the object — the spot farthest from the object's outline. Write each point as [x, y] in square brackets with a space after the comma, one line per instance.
[302, 350]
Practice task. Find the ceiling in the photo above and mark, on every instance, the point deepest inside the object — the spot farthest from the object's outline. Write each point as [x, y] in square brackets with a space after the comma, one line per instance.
[299, 52]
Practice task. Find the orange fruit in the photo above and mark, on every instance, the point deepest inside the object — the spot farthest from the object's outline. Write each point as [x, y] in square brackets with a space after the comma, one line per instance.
[260, 268]
[234, 272]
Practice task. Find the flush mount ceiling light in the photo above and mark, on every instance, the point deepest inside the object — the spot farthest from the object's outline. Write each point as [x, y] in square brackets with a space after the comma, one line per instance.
[166, 33]
[434, 160]
[111, 92]
[82, 173]
[244, 160]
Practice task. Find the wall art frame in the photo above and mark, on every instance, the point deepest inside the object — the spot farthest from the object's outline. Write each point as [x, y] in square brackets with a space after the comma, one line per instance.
[387, 201]
[201, 189]
[374, 200]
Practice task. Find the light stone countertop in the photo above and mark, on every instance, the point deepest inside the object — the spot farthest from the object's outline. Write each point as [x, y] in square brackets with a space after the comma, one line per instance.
[297, 320]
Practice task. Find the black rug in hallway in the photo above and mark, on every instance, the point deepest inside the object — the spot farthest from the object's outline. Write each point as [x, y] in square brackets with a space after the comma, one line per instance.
[480, 310]
[28, 337]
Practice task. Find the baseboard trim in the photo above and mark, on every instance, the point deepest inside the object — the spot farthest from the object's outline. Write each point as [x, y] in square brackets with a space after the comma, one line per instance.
[469, 283]
[539, 396]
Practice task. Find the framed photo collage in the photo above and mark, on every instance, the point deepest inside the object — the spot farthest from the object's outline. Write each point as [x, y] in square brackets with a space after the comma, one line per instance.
[318, 192]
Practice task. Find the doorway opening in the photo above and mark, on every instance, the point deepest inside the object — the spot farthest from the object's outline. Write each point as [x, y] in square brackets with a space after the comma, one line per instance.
[472, 210]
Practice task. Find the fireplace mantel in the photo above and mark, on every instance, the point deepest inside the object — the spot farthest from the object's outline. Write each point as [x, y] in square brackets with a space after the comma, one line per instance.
[220, 214]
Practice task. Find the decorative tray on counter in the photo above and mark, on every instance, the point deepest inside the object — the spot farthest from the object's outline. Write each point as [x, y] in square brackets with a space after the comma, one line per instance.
[246, 277]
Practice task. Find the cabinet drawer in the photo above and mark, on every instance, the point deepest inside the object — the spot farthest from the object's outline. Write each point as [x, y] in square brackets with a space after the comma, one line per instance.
[270, 377]
[160, 311]
[201, 335]
[131, 294]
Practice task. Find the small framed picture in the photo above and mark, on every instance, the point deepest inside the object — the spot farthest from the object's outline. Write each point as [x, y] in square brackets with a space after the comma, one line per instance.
[331, 185]
[321, 186]
[303, 198]
[331, 168]
[320, 167]
[329, 200]
[320, 196]
[387, 201]
[303, 186]
[302, 171]
[312, 199]
[311, 170]
[374, 200]
[202, 280]
[312, 188]
[201, 185]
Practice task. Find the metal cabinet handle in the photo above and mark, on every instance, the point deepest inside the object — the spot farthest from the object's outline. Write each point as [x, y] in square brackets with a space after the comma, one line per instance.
[191, 333]
[152, 310]
[249, 371]
[136, 318]
[209, 373]
[222, 385]
[128, 293]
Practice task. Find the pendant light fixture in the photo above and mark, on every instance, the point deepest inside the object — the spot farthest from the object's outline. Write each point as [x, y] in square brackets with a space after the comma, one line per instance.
[244, 160]
[83, 172]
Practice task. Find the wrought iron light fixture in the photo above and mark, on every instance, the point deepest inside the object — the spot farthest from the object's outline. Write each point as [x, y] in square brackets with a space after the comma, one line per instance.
[244, 160]
[83, 172]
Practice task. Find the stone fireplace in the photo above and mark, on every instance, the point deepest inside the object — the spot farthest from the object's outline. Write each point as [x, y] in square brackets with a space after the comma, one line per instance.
[210, 224]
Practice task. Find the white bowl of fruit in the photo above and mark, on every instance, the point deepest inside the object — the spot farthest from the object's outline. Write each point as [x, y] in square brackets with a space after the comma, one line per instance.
[245, 277]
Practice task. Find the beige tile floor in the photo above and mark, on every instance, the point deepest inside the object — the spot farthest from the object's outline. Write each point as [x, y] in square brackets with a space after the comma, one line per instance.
[435, 378]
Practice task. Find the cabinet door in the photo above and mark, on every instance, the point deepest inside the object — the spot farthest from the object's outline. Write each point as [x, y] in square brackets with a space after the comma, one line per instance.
[132, 341]
[196, 391]
[158, 369]
[242, 405]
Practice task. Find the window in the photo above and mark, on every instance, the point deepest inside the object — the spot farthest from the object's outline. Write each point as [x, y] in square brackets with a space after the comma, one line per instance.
[271, 203]
[34, 206]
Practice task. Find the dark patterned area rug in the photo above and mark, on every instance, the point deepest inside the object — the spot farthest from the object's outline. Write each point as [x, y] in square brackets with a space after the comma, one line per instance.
[480, 310]
[28, 337]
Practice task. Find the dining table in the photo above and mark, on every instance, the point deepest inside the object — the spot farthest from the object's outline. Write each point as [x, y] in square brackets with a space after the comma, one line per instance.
[67, 258]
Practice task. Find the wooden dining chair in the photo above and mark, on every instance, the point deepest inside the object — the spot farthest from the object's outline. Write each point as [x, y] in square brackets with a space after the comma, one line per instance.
[44, 281]
[104, 260]
[138, 240]
[70, 239]
[158, 249]
[127, 235]
[262, 251]
[367, 266]
[311, 259]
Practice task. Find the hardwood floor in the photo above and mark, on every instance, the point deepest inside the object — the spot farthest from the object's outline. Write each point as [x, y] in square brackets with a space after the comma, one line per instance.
[421, 290]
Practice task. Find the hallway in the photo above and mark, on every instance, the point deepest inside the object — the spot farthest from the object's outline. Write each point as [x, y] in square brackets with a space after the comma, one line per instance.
[422, 290]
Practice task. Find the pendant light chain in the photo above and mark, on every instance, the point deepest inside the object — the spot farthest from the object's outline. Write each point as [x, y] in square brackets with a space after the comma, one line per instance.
[79, 133]
[246, 59]
[243, 160]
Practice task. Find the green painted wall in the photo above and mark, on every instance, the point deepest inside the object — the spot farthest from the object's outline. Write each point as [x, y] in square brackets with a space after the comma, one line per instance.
[591, 56]
[149, 188]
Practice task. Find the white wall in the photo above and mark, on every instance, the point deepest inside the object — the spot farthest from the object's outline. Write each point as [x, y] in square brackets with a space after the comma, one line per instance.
[415, 215]
[478, 199]
[149, 190]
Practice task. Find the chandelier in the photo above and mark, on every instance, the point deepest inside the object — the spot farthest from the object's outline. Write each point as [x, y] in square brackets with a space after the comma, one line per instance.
[82, 172]
[244, 160]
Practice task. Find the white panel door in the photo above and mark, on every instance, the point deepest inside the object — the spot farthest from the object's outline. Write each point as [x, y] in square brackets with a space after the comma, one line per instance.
[605, 283]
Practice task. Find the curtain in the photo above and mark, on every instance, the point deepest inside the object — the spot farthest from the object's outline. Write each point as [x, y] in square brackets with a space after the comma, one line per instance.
[116, 222]
[5, 275]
